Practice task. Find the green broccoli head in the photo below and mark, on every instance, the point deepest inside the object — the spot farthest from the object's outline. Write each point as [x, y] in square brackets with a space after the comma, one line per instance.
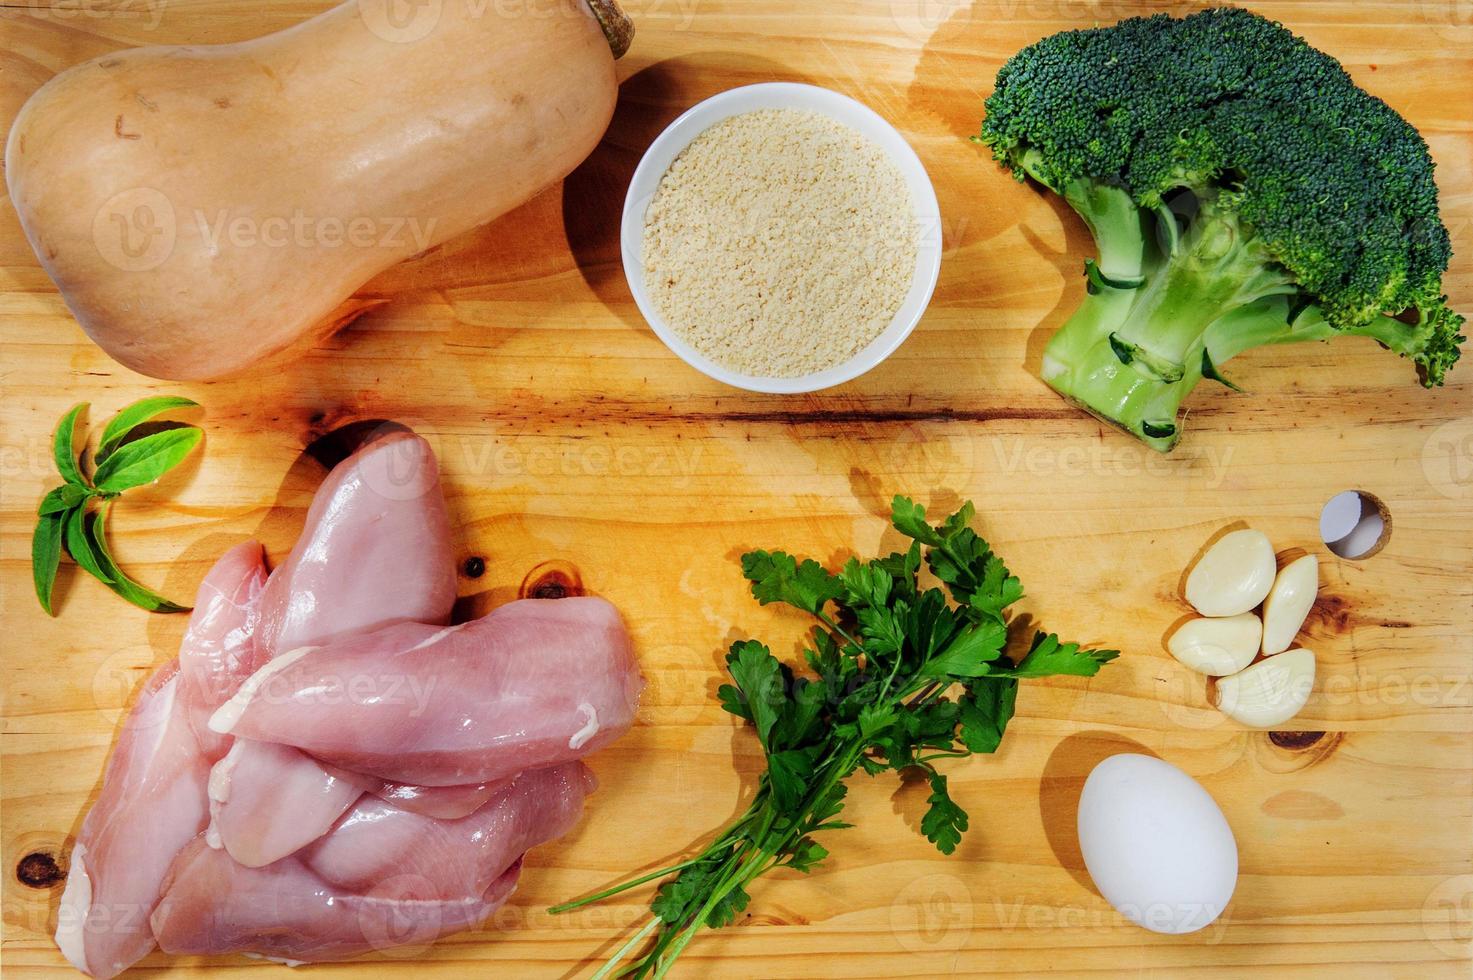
[1224, 167]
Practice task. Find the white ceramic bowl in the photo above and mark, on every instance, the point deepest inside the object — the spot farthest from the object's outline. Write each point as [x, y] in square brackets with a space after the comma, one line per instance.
[785, 95]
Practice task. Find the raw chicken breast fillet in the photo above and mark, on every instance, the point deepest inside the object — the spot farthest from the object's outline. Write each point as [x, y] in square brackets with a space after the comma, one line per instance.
[261, 799]
[535, 683]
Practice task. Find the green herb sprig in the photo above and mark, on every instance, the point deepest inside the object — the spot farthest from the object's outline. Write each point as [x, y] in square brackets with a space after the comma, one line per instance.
[73, 516]
[903, 678]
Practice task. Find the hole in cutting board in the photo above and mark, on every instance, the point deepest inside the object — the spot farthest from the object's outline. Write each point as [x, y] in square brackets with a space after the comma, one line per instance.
[1355, 524]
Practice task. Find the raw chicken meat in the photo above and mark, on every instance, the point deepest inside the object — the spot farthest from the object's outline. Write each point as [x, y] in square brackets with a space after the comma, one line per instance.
[382, 877]
[268, 801]
[376, 840]
[219, 648]
[375, 551]
[153, 795]
[445, 802]
[209, 842]
[152, 804]
[287, 912]
[535, 683]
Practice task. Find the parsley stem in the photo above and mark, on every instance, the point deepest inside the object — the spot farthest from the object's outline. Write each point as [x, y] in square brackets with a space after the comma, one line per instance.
[734, 878]
[624, 950]
[925, 759]
[828, 621]
[625, 886]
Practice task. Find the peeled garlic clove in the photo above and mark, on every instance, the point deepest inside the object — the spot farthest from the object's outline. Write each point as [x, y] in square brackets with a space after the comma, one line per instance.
[1270, 692]
[1234, 575]
[1288, 603]
[1217, 646]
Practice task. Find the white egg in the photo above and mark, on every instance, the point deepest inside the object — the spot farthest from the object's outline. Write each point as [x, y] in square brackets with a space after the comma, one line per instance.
[1156, 844]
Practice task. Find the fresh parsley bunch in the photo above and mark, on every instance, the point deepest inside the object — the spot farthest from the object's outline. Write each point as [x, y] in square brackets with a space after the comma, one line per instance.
[902, 678]
[73, 516]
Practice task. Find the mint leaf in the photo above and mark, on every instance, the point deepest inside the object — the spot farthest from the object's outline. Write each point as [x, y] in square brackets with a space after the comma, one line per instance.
[79, 545]
[145, 460]
[63, 448]
[139, 595]
[62, 498]
[46, 557]
[777, 577]
[134, 415]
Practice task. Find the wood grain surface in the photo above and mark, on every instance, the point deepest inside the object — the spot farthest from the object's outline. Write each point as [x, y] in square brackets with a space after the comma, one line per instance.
[569, 435]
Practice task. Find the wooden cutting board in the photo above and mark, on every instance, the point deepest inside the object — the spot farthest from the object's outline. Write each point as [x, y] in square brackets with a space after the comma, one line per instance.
[575, 446]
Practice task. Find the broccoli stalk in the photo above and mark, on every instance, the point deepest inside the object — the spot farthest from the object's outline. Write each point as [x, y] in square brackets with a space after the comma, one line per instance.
[1229, 211]
[1140, 340]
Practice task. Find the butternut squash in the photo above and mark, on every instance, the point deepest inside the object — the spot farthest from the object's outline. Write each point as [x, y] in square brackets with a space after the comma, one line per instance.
[206, 208]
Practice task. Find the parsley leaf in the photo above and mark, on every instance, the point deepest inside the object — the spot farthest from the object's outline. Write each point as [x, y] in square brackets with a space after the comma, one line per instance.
[758, 692]
[945, 822]
[777, 577]
[806, 854]
[902, 678]
[1048, 657]
[909, 518]
[972, 653]
[985, 711]
[788, 773]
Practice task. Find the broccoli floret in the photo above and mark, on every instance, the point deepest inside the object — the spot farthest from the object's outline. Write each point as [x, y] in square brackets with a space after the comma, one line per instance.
[1241, 191]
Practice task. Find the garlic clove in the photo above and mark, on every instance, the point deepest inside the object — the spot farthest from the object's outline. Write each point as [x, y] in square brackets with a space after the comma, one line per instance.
[1217, 646]
[1270, 692]
[1234, 575]
[1288, 603]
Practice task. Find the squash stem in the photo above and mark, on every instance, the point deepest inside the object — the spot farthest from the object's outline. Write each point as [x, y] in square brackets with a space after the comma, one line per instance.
[618, 28]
